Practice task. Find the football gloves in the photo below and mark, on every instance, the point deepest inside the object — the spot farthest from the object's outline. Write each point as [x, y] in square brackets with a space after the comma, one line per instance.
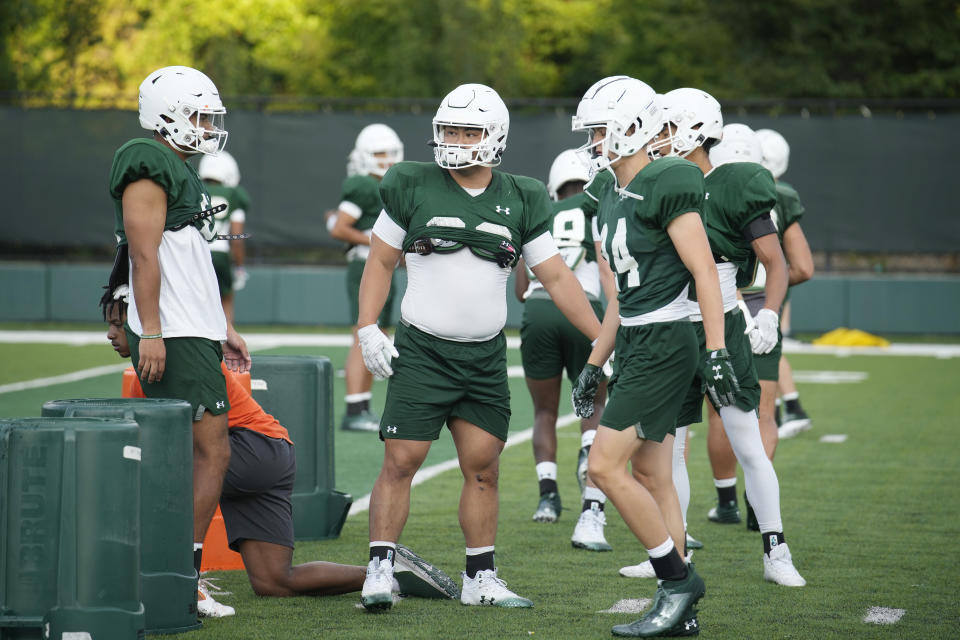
[240, 277]
[717, 372]
[764, 337]
[377, 350]
[585, 390]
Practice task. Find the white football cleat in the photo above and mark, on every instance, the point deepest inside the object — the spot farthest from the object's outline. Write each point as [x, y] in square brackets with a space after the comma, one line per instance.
[778, 567]
[487, 589]
[378, 587]
[588, 534]
[207, 607]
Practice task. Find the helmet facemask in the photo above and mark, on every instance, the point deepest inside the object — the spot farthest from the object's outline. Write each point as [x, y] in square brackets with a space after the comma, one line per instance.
[488, 152]
[200, 130]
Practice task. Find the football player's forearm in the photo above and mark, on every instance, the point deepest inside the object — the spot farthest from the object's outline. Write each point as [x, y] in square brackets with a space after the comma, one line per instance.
[776, 284]
[707, 284]
[374, 289]
[608, 336]
[146, 287]
[568, 295]
[797, 252]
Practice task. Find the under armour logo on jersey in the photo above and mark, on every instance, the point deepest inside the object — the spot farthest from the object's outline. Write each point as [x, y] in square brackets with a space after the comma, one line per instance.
[716, 372]
[391, 429]
[221, 404]
[503, 210]
[706, 196]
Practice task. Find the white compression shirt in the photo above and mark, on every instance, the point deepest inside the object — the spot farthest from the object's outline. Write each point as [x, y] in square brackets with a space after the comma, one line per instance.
[189, 294]
[457, 296]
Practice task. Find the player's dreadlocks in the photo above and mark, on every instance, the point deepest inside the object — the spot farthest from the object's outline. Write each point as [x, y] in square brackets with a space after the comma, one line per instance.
[118, 286]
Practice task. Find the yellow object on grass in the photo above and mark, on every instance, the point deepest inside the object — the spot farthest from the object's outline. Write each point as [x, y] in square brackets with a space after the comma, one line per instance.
[843, 337]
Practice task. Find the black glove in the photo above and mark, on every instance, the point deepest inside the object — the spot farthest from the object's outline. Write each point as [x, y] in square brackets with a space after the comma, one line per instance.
[721, 381]
[585, 390]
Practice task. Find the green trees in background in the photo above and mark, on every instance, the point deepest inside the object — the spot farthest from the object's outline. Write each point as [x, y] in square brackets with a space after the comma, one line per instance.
[94, 53]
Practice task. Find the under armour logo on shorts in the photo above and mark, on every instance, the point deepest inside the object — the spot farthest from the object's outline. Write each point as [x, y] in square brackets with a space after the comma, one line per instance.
[391, 429]
[221, 404]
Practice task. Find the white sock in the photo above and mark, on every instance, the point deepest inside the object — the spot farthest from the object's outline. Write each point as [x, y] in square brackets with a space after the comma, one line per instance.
[681, 481]
[721, 483]
[586, 438]
[546, 471]
[593, 493]
[662, 549]
[759, 478]
[793, 395]
[358, 397]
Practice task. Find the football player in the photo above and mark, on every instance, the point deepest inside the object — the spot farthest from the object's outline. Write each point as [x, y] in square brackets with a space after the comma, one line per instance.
[549, 343]
[740, 197]
[463, 226]
[177, 331]
[652, 236]
[776, 157]
[221, 176]
[785, 217]
[377, 149]
[257, 511]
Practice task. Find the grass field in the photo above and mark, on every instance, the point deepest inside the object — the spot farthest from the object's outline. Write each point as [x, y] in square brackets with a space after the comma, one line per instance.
[872, 521]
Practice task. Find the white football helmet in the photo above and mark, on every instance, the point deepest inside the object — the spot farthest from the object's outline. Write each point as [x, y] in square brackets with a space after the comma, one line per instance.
[627, 108]
[183, 105]
[739, 144]
[567, 166]
[374, 139]
[221, 167]
[776, 151]
[693, 117]
[475, 106]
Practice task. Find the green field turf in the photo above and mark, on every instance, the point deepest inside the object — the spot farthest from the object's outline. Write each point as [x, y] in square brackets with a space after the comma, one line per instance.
[871, 522]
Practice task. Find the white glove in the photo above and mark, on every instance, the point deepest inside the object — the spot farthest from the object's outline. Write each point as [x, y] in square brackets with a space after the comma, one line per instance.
[240, 277]
[764, 338]
[377, 350]
[608, 365]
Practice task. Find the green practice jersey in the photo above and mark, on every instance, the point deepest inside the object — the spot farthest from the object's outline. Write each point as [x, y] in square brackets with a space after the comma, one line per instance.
[633, 233]
[737, 194]
[145, 158]
[424, 200]
[600, 181]
[789, 210]
[237, 200]
[364, 192]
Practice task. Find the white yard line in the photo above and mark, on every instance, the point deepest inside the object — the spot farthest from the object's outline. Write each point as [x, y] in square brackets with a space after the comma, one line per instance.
[269, 340]
[361, 505]
[67, 377]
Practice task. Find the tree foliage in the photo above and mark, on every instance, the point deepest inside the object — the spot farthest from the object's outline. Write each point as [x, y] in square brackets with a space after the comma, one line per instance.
[96, 52]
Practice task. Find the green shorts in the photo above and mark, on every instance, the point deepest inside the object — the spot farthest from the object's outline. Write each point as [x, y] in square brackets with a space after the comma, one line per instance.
[738, 346]
[191, 372]
[354, 275]
[655, 365]
[223, 266]
[768, 364]
[549, 343]
[436, 379]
